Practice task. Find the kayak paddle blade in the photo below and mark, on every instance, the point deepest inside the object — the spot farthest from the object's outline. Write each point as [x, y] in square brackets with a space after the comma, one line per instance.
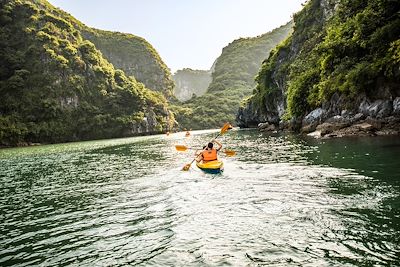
[229, 153]
[226, 127]
[186, 167]
[181, 147]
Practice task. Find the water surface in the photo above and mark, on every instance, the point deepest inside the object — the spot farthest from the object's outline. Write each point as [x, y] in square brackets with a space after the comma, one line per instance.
[281, 201]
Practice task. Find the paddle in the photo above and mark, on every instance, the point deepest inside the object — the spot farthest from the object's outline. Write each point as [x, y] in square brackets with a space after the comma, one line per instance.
[229, 153]
[224, 129]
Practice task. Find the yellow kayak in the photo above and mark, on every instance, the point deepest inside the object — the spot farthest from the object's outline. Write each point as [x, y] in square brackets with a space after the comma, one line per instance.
[215, 166]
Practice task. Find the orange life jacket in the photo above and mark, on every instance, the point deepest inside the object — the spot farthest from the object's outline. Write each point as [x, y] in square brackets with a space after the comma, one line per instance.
[209, 155]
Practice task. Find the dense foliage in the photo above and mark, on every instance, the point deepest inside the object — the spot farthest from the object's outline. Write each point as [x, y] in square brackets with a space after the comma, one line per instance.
[190, 82]
[135, 56]
[232, 79]
[355, 50]
[56, 86]
[130, 53]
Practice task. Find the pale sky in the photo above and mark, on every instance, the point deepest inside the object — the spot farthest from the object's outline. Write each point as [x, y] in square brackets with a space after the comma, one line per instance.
[186, 33]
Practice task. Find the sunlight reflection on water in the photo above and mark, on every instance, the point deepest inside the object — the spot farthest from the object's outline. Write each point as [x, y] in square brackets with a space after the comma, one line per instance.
[280, 201]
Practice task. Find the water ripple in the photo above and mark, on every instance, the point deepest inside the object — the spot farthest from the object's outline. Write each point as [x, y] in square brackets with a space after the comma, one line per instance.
[125, 202]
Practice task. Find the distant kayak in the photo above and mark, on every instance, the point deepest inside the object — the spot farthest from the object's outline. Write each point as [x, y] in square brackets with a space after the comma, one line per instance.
[215, 166]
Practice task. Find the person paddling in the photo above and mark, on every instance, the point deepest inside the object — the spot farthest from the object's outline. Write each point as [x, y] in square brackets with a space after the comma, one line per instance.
[209, 153]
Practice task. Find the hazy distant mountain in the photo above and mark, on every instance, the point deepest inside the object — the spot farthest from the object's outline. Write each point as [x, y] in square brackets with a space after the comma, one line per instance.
[232, 79]
[190, 82]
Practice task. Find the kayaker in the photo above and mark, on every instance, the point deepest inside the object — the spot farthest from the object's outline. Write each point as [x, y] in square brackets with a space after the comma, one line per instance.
[210, 153]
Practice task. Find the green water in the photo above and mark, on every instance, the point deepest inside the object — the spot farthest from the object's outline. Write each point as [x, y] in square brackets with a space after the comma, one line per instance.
[281, 201]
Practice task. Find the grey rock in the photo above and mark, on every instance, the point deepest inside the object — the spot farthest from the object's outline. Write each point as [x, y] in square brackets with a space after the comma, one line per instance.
[314, 117]
[378, 109]
[335, 105]
[358, 116]
[266, 127]
[347, 114]
[393, 120]
[251, 114]
[262, 125]
[338, 119]
[385, 109]
[327, 7]
[396, 106]
[364, 107]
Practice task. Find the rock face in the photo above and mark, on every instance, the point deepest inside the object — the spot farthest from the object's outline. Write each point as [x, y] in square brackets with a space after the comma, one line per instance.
[314, 118]
[269, 111]
[377, 109]
[377, 117]
[190, 82]
[297, 86]
[273, 76]
[147, 125]
[367, 127]
[396, 106]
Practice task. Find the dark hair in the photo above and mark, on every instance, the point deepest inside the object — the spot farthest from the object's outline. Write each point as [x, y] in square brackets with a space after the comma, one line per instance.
[210, 145]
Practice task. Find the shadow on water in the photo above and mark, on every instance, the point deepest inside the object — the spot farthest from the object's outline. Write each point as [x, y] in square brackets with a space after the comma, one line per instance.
[376, 157]
[374, 225]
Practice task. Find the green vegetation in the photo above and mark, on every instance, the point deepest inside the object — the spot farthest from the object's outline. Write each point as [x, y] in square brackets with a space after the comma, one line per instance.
[135, 56]
[190, 82]
[55, 86]
[232, 79]
[130, 53]
[356, 50]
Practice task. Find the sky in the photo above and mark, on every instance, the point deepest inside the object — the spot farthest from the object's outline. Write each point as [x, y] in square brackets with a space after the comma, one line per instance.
[186, 33]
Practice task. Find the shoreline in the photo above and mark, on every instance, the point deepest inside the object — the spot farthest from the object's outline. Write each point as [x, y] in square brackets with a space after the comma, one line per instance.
[368, 127]
[33, 144]
[338, 127]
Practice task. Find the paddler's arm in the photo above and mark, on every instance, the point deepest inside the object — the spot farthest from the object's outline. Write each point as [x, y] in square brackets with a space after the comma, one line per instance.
[199, 157]
[218, 143]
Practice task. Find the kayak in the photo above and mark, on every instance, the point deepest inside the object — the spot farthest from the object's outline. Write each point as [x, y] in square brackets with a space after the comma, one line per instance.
[215, 166]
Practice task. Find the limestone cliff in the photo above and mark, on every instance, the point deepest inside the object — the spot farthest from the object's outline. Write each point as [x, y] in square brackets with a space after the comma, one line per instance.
[190, 82]
[56, 86]
[341, 60]
[135, 56]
